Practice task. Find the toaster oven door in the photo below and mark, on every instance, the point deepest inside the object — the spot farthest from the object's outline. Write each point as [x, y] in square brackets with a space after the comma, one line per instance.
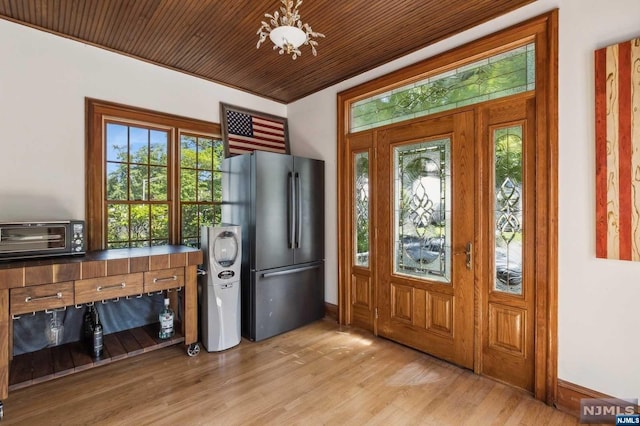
[21, 240]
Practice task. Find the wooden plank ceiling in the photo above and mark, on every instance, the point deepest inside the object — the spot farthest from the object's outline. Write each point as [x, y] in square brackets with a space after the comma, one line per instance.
[216, 39]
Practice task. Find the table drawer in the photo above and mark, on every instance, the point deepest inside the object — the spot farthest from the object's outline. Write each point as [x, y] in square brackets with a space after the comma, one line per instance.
[103, 288]
[163, 279]
[41, 297]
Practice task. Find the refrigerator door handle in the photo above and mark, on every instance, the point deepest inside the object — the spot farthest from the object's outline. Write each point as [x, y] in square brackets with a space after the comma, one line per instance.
[299, 205]
[292, 217]
[290, 271]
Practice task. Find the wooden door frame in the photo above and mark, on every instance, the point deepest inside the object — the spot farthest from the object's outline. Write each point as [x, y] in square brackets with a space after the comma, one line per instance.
[544, 30]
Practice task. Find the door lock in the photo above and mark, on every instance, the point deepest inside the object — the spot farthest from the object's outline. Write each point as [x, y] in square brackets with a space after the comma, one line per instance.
[469, 253]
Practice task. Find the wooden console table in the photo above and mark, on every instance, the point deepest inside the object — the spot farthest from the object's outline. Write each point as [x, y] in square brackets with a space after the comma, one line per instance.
[36, 285]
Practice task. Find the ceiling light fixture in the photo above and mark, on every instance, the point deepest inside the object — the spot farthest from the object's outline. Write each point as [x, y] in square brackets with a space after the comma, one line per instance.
[286, 30]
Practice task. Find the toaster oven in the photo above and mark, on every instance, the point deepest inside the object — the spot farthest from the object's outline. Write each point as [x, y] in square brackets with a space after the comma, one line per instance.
[22, 240]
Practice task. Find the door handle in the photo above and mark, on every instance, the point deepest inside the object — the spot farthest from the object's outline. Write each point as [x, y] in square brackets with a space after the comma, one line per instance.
[299, 204]
[292, 218]
[290, 271]
[469, 253]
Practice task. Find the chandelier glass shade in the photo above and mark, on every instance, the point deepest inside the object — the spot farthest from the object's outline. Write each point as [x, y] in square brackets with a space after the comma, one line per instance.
[286, 30]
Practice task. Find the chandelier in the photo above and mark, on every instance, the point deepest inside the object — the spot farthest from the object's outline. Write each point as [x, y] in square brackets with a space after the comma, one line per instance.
[286, 30]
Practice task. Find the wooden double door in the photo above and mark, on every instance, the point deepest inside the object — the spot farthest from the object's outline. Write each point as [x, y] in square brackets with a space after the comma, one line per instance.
[440, 220]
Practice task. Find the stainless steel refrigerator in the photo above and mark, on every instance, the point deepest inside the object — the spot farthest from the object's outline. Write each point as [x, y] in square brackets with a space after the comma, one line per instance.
[278, 200]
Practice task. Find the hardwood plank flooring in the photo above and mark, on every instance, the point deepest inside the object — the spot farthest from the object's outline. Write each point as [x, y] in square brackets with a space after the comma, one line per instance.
[321, 374]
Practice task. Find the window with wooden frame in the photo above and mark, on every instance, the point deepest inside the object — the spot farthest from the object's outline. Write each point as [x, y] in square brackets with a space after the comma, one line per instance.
[151, 178]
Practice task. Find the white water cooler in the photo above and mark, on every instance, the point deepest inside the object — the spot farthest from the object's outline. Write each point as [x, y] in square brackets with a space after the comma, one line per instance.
[220, 287]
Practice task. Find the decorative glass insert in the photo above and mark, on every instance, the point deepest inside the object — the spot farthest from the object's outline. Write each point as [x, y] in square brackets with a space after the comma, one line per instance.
[361, 212]
[422, 219]
[508, 209]
[137, 191]
[495, 77]
[200, 185]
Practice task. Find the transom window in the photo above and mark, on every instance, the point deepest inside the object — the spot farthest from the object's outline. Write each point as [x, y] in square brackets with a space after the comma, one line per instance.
[490, 78]
[150, 181]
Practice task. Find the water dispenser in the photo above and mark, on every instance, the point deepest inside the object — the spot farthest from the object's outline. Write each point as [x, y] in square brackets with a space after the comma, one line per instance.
[220, 287]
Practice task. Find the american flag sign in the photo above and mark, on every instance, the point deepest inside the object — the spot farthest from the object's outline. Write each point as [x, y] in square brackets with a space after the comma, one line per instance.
[247, 132]
[617, 96]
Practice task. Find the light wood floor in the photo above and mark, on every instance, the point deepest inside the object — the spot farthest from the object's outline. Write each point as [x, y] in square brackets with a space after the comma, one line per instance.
[316, 375]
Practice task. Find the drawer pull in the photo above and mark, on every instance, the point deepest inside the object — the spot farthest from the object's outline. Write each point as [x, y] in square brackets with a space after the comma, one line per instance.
[108, 287]
[30, 299]
[173, 278]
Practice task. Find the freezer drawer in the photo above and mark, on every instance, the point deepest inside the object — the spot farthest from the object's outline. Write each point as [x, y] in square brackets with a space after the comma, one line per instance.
[283, 299]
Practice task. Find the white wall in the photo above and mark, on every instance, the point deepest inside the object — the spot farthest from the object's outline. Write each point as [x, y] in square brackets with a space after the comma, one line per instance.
[43, 82]
[599, 312]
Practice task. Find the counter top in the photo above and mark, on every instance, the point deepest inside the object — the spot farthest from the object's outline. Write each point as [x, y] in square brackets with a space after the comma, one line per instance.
[95, 264]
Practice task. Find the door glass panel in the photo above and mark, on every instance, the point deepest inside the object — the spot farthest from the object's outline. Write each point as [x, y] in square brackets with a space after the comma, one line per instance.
[508, 209]
[422, 196]
[361, 212]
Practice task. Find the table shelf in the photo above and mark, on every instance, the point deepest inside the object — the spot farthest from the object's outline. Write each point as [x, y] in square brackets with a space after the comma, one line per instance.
[58, 361]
